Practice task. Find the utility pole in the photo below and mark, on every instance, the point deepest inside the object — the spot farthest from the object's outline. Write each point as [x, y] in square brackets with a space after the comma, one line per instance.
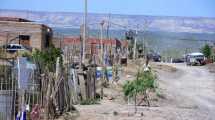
[108, 26]
[101, 42]
[85, 32]
[135, 44]
[102, 59]
[145, 27]
[109, 48]
[144, 47]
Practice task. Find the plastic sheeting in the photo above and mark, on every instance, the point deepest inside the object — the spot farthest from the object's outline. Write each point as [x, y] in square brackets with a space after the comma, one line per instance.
[25, 69]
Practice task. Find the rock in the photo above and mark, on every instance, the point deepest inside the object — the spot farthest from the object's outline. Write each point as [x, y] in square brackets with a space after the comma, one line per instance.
[115, 113]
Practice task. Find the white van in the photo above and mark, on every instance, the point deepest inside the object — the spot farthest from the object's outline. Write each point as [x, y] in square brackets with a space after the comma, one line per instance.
[195, 59]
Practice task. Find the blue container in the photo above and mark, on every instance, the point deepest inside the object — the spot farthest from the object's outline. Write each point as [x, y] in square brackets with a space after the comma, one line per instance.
[109, 73]
[98, 72]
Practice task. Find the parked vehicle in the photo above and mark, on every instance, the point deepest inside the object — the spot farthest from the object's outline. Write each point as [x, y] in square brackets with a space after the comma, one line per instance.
[12, 48]
[195, 59]
[178, 60]
[155, 57]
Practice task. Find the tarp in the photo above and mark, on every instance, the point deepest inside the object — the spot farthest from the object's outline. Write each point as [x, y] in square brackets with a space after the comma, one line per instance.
[25, 69]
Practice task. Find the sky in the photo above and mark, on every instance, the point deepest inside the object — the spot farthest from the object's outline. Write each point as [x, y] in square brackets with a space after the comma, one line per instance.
[188, 8]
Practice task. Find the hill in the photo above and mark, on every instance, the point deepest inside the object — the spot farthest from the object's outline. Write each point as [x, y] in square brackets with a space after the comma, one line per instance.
[154, 23]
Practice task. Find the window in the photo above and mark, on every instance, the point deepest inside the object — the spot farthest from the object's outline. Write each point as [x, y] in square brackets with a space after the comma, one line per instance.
[24, 37]
[24, 40]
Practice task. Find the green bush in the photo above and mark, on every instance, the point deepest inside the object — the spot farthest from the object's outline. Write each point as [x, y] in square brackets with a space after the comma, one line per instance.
[129, 89]
[143, 82]
[47, 58]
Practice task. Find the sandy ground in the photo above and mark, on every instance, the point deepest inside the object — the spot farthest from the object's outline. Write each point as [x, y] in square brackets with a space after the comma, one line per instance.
[211, 67]
[190, 92]
[187, 93]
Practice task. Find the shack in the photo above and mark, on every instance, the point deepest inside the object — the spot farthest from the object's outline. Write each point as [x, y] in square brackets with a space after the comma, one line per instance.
[24, 32]
[93, 45]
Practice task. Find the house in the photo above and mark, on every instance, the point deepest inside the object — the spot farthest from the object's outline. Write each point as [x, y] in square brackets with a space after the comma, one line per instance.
[24, 32]
[93, 44]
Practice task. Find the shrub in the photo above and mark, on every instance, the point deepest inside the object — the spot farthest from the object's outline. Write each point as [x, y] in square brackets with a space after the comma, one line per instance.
[143, 82]
[47, 58]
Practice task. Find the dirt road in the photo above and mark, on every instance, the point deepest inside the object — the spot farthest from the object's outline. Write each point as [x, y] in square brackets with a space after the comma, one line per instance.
[191, 89]
[188, 93]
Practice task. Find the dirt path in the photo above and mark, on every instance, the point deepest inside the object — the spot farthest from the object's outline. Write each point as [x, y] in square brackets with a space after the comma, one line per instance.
[188, 93]
[191, 88]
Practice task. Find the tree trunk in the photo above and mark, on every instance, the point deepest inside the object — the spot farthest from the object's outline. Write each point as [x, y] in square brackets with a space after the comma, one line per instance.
[135, 102]
[146, 99]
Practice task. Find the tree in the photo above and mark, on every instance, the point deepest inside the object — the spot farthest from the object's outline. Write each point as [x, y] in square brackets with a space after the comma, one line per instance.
[206, 50]
[46, 59]
[143, 82]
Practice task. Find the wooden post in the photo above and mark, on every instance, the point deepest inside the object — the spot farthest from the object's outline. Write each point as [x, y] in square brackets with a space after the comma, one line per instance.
[91, 83]
[82, 85]
[135, 46]
[48, 97]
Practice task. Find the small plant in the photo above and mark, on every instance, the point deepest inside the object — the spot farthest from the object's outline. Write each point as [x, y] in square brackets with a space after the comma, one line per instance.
[143, 82]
